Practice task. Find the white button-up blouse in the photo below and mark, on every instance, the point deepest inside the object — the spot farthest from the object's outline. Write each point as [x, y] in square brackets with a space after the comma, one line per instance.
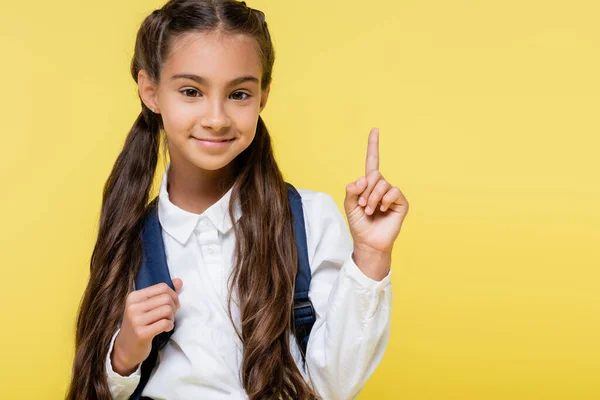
[203, 356]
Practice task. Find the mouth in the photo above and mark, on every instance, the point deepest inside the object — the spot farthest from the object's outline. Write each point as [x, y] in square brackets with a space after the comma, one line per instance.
[213, 140]
[213, 143]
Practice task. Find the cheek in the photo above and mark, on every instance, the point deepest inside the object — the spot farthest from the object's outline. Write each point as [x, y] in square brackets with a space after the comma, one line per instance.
[246, 122]
[178, 119]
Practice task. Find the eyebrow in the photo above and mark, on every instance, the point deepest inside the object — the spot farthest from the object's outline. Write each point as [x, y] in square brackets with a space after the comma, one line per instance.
[204, 81]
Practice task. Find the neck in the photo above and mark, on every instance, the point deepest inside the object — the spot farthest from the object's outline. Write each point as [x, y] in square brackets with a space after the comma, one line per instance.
[194, 190]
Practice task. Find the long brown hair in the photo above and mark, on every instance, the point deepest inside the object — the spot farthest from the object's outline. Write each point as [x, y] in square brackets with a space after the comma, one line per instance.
[265, 253]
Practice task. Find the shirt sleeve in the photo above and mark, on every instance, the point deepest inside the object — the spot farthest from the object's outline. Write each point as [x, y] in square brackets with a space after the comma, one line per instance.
[121, 387]
[353, 311]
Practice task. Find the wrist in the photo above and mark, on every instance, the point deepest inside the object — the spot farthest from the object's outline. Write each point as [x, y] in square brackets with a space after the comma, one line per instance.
[372, 262]
[121, 365]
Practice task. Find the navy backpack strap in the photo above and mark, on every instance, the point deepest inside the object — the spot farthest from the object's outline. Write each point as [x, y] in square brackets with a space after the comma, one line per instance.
[153, 270]
[304, 313]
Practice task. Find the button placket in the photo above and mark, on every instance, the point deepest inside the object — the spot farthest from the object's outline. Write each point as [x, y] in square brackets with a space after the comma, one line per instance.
[208, 240]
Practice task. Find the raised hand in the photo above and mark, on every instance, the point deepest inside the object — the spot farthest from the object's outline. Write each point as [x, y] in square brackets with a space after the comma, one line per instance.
[375, 210]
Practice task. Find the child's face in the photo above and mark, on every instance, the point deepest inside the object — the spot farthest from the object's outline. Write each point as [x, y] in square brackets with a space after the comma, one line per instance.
[213, 109]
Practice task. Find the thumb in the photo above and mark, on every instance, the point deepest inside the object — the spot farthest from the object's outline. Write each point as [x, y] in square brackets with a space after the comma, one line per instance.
[178, 283]
[353, 191]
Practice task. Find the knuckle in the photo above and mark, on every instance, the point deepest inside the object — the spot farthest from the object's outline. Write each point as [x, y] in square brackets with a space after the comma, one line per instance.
[383, 185]
[166, 325]
[130, 309]
[130, 298]
[138, 331]
[375, 174]
[377, 192]
[136, 321]
[134, 308]
[163, 286]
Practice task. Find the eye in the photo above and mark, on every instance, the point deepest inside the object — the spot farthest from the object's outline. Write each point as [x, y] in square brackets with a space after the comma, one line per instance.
[188, 91]
[242, 93]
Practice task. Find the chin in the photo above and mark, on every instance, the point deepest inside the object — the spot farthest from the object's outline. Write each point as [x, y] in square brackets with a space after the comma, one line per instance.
[211, 165]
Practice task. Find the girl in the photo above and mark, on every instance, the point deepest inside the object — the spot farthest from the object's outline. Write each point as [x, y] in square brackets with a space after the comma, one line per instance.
[203, 69]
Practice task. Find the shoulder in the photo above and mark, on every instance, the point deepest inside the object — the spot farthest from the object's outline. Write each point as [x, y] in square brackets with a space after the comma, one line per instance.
[312, 195]
[320, 209]
[328, 237]
[312, 200]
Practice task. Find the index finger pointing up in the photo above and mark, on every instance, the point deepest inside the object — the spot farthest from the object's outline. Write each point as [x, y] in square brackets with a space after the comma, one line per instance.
[372, 163]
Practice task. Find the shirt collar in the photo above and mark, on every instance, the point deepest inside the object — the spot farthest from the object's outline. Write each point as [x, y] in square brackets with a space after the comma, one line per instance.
[180, 224]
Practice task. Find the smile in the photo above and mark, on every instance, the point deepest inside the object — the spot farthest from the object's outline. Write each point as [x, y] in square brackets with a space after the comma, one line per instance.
[213, 144]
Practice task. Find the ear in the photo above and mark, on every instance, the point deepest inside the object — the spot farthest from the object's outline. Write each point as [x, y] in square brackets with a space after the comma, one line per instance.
[264, 96]
[148, 91]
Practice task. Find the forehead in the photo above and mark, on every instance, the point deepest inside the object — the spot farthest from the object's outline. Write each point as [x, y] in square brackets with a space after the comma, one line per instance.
[215, 55]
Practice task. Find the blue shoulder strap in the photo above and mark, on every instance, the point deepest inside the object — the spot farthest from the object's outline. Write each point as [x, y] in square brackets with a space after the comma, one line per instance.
[154, 270]
[304, 314]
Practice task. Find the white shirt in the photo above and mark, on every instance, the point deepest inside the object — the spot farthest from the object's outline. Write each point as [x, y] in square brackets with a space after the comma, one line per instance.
[202, 358]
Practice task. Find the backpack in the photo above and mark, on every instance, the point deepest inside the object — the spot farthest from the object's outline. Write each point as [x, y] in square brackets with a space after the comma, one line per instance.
[154, 270]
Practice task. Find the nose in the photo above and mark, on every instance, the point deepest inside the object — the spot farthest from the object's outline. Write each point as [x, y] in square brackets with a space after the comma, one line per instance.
[214, 116]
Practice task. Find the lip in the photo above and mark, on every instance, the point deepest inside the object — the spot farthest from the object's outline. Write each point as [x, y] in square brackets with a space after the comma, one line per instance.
[213, 143]
[213, 140]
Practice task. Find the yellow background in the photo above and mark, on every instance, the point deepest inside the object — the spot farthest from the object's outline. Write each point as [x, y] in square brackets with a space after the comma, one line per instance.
[488, 112]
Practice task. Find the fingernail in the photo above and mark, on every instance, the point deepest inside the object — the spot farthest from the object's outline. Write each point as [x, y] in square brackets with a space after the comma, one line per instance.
[360, 181]
[368, 210]
[382, 208]
[362, 201]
